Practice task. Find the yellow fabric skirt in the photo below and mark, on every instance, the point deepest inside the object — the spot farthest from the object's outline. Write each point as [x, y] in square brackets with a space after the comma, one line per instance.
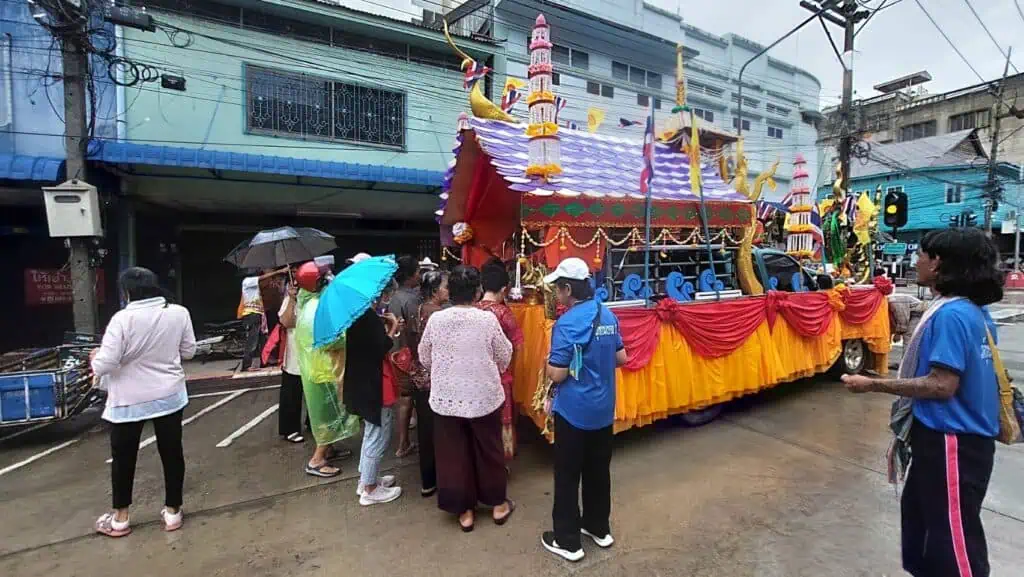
[677, 380]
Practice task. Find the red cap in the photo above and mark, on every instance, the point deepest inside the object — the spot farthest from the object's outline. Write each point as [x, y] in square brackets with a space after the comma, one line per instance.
[308, 276]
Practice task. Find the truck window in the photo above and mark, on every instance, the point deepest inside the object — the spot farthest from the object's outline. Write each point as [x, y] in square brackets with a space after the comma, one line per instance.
[782, 267]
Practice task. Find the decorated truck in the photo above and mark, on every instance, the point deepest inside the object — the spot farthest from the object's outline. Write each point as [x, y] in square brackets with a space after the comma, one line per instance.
[671, 238]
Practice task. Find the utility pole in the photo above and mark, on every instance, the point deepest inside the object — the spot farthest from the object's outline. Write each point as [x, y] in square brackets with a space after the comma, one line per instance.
[846, 15]
[992, 188]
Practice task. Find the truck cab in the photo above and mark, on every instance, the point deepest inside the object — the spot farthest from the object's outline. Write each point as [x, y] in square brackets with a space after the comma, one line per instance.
[777, 270]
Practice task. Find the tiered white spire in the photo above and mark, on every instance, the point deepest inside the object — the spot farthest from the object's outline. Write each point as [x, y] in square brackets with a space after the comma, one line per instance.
[544, 150]
[800, 242]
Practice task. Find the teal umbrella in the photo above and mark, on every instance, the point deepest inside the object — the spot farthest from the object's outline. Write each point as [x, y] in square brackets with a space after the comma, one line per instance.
[349, 295]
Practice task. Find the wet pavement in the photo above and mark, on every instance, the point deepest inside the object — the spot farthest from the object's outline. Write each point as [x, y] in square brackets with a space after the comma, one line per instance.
[787, 483]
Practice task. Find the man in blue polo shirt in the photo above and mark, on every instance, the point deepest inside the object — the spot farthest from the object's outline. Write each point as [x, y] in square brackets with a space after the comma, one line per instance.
[585, 349]
[949, 376]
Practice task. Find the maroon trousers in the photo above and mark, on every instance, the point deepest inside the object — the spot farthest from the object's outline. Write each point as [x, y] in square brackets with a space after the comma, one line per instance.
[470, 462]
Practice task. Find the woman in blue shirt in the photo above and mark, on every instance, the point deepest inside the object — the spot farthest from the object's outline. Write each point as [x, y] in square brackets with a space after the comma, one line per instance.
[949, 376]
[586, 347]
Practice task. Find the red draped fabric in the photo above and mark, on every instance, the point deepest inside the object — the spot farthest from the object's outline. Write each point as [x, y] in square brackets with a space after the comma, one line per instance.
[861, 306]
[809, 313]
[712, 329]
[715, 329]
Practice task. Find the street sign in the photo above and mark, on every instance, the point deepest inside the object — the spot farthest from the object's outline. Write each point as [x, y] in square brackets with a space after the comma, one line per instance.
[895, 248]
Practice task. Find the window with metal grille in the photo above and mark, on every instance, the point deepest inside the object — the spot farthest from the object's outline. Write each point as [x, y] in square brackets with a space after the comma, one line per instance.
[736, 124]
[968, 120]
[607, 91]
[774, 132]
[706, 115]
[304, 106]
[776, 109]
[593, 87]
[643, 100]
[620, 71]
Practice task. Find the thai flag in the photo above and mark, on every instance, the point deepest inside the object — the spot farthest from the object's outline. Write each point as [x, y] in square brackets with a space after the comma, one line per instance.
[647, 174]
[819, 237]
[626, 123]
[850, 207]
[787, 201]
[474, 72]
[509, 100]
[766, 210]
[559, 105]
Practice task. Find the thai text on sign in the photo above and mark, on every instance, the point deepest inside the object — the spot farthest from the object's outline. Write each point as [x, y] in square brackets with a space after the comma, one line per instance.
[53, 287]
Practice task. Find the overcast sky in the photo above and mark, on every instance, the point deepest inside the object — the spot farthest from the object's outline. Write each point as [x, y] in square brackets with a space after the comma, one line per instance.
[899, 40]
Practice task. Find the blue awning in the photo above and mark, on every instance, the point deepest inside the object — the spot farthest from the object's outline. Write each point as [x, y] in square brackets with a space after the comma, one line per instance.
[22, 167]
[174, 156]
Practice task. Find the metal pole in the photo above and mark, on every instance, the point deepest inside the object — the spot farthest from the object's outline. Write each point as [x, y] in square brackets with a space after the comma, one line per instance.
[647, 220]
[992, 186]
[1016, 219]
[818, 11]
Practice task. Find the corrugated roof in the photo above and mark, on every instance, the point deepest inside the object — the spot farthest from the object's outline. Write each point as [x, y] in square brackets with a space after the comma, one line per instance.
[176, 156]
[955, 148]
[593, 165]
[38, 168]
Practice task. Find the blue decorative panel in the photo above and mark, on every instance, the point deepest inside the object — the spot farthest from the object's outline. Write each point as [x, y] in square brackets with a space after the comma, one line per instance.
[634, 287]
[678, 288]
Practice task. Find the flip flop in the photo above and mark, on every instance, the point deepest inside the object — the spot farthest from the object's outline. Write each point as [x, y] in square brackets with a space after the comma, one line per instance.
[511, 509]
[412, 448]
[295, 438]
[105, 525]
[170, 523]
[319, 471]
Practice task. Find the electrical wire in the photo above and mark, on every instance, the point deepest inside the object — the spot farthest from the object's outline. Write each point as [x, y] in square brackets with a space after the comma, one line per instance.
[990, 36]
[950, 42]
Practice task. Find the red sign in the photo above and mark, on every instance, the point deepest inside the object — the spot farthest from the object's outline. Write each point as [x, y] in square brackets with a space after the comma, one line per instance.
[53, 287]
[1015, 280]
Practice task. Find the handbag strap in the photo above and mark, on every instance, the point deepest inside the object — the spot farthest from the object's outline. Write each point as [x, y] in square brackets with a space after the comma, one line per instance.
[997, 363]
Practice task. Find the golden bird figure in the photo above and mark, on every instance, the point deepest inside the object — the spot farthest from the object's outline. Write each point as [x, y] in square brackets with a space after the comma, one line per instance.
[479, 104]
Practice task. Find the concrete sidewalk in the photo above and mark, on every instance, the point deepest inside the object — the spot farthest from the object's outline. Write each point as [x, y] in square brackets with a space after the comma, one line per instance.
[198, 371]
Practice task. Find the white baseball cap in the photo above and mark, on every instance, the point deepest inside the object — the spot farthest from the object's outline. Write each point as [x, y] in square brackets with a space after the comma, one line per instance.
[428, 264]
[357, 257]
[571, 268]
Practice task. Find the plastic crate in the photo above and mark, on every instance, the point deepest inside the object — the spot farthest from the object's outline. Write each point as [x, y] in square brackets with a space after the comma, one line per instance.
[28, 396]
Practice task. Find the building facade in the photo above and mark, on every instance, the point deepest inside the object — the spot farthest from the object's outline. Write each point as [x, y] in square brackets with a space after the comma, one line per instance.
[944, 178]
[618, 56]
[905, 110]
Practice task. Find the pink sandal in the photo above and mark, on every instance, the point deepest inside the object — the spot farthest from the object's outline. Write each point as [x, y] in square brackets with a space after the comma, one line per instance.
[172, 522]
[110, 527]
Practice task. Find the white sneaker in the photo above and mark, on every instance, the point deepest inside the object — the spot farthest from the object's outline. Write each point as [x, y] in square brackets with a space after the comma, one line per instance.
[380, 495]
[602, 542]
[385, 481]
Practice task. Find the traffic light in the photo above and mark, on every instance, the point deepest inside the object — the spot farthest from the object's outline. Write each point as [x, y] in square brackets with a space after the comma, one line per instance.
[895, 209]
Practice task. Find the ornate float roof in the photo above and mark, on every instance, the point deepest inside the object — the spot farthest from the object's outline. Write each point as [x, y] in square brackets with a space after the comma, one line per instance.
[593, 166]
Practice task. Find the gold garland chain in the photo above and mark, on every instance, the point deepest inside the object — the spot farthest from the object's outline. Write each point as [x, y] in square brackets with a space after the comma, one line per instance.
[634, 236]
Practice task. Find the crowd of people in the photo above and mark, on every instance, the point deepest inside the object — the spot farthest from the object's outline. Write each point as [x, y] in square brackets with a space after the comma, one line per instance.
[433, 353]
[441, 346]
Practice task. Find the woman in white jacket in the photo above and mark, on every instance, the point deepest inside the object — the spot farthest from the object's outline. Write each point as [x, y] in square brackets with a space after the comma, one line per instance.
[139, 363]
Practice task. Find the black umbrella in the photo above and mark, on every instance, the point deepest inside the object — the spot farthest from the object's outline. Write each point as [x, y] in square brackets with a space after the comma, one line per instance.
[278, 247]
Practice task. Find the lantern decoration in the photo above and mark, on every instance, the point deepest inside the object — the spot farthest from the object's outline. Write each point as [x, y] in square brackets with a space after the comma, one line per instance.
[544, 148]
[462, 233]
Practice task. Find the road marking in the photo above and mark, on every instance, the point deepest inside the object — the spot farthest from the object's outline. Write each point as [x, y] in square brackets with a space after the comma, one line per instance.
[150, 440]
[37, 456]
[228, 392]
[28, 430]
[248, 426]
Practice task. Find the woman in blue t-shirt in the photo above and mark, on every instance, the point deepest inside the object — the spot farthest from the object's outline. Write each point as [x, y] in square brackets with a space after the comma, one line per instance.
[586, 347]
[947, 374]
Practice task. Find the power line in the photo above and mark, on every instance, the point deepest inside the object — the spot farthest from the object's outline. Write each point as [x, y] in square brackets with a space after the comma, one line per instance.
[990, 37]
[951, 44]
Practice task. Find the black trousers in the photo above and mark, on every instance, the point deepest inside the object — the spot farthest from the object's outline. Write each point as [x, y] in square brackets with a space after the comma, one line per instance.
[124, 448]
[289, 417]
[941, 505]
[425, 436]
[252, 323]
[581, 457]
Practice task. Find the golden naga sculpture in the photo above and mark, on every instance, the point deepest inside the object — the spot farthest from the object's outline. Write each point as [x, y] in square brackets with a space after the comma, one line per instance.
[478, 103]
[744, 265]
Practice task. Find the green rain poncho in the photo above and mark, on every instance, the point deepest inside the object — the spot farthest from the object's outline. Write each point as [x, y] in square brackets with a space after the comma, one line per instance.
[327, 416]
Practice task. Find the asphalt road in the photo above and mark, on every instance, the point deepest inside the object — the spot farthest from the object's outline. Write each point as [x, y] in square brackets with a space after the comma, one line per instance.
[787, 483]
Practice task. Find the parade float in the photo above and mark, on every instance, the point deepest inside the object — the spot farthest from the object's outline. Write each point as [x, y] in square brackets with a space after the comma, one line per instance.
[671, 241]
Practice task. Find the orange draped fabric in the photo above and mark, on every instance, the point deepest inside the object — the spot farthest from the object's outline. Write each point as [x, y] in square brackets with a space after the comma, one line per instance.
[677, 378]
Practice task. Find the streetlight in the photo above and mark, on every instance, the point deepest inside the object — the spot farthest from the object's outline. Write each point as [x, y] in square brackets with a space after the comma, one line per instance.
[818, 11]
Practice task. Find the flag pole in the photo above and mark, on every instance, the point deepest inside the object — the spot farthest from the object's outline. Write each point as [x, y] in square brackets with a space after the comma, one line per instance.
[647, 219]
[699, 182]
